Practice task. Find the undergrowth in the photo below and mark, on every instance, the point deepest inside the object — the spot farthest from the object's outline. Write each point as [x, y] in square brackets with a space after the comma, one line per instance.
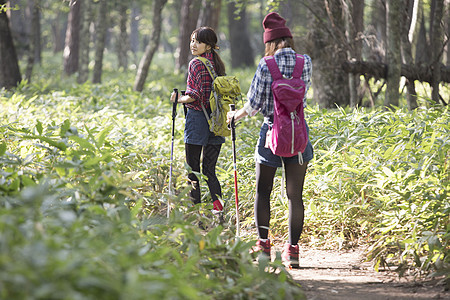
[84, 171]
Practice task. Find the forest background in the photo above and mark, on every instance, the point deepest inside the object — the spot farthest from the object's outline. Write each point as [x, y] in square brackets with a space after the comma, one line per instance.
[86, 128]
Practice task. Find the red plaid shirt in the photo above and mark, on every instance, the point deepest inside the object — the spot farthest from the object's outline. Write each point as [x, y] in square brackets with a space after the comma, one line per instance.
[199, 82]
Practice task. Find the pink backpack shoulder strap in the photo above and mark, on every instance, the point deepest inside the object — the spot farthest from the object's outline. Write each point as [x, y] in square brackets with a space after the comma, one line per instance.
[298, 69]
[275, 71]
[273, 67]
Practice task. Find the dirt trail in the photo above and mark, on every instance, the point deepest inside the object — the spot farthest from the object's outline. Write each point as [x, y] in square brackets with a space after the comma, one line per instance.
[332, 275]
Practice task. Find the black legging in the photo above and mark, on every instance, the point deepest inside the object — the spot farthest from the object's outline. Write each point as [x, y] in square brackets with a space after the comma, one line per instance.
[210, 155]
[295, 178]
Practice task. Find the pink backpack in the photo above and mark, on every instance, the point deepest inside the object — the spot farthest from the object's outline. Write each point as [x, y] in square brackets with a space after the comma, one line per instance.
[288, 135]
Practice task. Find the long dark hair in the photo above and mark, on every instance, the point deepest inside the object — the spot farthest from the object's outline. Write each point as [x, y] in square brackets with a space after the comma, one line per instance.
[208, 36]
[272, 46]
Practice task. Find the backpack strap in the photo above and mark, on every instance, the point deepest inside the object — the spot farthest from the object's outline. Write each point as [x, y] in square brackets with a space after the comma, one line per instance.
[273, 67]
[208, 66]
[275, 71]
[213, 75]
[299, 63]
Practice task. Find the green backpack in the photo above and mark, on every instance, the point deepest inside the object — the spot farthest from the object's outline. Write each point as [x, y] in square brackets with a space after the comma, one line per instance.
[226, 90]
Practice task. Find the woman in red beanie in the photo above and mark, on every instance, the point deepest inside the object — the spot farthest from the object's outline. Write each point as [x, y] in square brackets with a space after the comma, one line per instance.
[279, 44]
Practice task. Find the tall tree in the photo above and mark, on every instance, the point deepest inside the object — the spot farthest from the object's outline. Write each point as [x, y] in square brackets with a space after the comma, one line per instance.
[447, 18]
[288, 10]
[9, 65]
[71, 48]
[190, 10]
[122, 42]
[37, 28]
[295, 14]
[241, 50]
[327, 47]
[436, 47]
[423, 69]
[134, 28]
[85, 37]
[393, 58]
[409, 17]
[376, 36]
[19, 25]
[422, 44]
[150, 50]
[101, 29]
[34, 33]
[354, 27]
[210, 13]
[58, 31]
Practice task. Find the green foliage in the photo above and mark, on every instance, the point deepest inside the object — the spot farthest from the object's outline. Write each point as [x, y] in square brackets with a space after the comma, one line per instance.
[83, 188]
[378, 178]
[382, 176]
[83, 193]
[54, 249]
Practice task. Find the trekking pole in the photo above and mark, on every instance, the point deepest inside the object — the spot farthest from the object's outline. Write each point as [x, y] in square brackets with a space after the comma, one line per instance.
[174, 114]
[184, 104]
[233, 141]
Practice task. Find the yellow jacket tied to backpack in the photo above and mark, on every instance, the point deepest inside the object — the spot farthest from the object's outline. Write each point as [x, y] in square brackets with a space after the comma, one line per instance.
[226, 90]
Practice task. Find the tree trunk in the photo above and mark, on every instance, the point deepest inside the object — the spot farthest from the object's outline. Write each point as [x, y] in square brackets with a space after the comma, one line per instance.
[376, 33]
[19, 26]
[58, 32]
[408, 15]
[85, 38]
[33, 38]
[393, 58]
[122, 41]
[101, 28]
[448, 31]
[358, 23]
[190, 10]
[296, 19]
[9, 65]
[354, 16]
[150, 50]
[436, 48]
[209, 15]
[71, 49]
[241, 50]
[288, 10]
[37, 32]
[134, 29]
[326, 40]
[422, 47]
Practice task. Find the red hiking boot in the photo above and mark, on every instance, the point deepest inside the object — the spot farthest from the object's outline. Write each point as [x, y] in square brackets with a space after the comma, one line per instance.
[218, 211]
[263, 247]
[217, 206]
[290, 256]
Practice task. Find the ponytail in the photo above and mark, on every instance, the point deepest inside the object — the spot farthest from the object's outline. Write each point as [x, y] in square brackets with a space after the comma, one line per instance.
[219, 66]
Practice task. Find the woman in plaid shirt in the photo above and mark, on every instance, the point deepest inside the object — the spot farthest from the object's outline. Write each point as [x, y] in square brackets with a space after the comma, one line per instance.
[197, 136]
[278, 43]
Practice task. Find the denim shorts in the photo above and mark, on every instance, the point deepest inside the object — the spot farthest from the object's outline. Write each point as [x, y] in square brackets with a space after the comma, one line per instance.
[196, 130]
[266, 157]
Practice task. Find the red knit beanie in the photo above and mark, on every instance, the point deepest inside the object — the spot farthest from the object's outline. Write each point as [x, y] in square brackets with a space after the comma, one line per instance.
[274, 27]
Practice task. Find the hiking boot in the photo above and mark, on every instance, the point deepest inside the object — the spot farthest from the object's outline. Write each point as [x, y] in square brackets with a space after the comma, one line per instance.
[217, 205]
[218, 211]
[263, 247]
[290, 256]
